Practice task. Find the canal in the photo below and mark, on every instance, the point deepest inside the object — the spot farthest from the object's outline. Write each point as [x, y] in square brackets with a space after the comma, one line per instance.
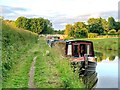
[107, 69]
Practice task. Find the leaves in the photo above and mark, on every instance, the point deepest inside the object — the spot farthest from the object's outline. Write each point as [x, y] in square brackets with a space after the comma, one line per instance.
[94, 25]
[37, 25]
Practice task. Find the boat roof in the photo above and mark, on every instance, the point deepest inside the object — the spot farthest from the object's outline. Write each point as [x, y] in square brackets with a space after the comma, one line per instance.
[78, 41]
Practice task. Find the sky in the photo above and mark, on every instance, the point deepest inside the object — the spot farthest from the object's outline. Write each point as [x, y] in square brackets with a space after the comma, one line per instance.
[59, 12]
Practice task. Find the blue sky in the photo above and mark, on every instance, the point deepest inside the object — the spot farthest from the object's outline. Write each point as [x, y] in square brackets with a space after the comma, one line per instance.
[59, 12]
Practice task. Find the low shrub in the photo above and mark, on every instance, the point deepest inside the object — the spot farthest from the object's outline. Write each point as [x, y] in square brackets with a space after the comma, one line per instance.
[92, 35]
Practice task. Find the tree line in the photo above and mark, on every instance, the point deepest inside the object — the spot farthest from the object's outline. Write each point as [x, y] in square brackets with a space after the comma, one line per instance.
[37, 25]
[98, 26]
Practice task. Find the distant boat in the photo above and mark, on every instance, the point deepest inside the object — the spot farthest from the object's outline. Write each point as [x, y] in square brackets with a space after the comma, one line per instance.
[52, 39]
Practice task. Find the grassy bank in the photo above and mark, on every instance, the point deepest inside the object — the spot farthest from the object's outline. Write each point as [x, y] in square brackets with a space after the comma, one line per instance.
[105, 43]
[19, 73]
[53, 70]
[15, 44]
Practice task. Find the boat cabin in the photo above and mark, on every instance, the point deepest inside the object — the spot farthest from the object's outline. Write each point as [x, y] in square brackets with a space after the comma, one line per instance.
[78, 48]
[82, 56]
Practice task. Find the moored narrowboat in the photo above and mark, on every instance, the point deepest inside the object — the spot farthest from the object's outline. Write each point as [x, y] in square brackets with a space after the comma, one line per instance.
[52, 39]
[82, 53]
[82, 59]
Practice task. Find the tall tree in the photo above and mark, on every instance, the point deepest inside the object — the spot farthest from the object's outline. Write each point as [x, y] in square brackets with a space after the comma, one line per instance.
[104, 24]
[68, 29]
[37, 25]
[79, 25]
[117, 26]
[111, 23]
[22, 22]
[93, 21]
[96, 28]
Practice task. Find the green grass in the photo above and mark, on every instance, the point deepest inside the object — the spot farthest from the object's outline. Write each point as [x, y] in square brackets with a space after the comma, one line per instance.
[16, 45]
[19, 74]
[0, 55]
[105, 43]
[53, 70]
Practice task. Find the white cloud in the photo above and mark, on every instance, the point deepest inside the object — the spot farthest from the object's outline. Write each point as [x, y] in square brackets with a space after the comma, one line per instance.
[62, 11]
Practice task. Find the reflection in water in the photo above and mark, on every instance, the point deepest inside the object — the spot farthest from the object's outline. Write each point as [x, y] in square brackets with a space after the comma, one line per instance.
[107, 69]
[112, 57]
[106, 74]
[104, 54]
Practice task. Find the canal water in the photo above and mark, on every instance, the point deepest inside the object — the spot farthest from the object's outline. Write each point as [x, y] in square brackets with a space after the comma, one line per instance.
[107, 69]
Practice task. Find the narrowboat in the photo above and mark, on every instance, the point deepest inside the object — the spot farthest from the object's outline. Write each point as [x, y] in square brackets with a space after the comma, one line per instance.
[52, 39]
[81, 53]
[82, 59]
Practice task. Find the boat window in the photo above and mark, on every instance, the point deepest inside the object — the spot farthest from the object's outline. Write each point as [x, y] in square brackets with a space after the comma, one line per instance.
[76, 54]
[88, 49]
[69, 51]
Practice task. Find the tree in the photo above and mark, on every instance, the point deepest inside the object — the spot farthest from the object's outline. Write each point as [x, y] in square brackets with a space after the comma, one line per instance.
[97, 25]
[37, 25]
[117, 26]
[118, 33]
[72, 33]
[83, 33]
[93, 21]
[104, 24]
[79, 25]
[47, 27]
[111, 23]
[68, 29]
[96, 28]
[22, 22]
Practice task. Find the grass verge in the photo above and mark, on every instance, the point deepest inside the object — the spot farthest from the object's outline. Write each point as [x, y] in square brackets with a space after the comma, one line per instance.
[53, 70]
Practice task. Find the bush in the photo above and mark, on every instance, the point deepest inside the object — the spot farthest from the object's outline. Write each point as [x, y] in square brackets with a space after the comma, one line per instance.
[112, 32]
[118, 32]
[68, 38]
[92, 35]
[81, 33]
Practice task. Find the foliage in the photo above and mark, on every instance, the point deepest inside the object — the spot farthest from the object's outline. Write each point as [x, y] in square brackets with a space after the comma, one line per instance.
[14, 42]
[37, 25]
[78, 30]
[58, 31]
[94, 25]
[92, 35]
[19, 73]
[111, 23]
[93, 21]
[68, 29]
[81, 33]
[117, 26]
[118, 32]
[19, 48]
[96, 28]
[112, 32]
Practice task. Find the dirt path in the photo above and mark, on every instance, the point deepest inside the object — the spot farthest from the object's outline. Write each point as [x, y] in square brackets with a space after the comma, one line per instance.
[31, 74]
